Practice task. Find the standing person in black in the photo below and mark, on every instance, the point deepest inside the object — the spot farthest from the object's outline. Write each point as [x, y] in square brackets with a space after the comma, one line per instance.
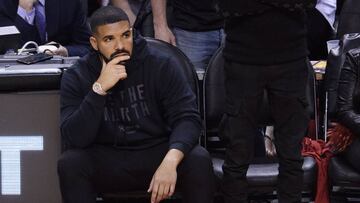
[196, 28]
[129, 120]
[265, 49]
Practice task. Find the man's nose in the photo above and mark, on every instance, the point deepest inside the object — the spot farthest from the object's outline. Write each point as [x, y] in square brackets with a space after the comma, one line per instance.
[119, 45]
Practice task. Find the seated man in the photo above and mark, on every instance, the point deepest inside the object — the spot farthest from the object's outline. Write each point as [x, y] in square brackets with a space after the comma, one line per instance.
[349, 104]
[43, 21]
[129, 120]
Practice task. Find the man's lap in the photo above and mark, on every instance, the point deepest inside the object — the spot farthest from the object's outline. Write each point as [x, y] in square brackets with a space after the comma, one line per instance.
[113, 170]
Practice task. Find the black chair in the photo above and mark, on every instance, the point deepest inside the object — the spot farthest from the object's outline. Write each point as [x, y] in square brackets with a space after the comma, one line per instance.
[343, 178]
[190, 74]
[262, 177]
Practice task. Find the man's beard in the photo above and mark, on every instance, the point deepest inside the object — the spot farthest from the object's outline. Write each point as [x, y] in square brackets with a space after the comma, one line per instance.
[115, 54]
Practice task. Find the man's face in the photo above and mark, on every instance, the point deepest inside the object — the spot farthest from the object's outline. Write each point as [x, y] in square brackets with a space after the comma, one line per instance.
[113, 40]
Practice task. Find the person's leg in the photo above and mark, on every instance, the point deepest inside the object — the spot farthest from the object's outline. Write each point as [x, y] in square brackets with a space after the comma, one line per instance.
[352, 154]
[196, 177]
[76, 169]
[288, 107]
[199, 47]
[84, 174]
[244, 92]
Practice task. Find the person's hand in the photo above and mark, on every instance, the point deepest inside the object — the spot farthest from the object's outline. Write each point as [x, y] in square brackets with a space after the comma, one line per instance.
[112, 72]
[62, 51]
[164, 33]
[27, 4]
[163, 182]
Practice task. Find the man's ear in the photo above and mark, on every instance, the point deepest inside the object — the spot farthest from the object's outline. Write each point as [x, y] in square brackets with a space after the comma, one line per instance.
[93, 43]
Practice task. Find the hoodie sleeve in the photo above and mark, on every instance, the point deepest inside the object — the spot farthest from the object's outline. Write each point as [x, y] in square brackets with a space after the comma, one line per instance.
[81, 114]
[180, 107]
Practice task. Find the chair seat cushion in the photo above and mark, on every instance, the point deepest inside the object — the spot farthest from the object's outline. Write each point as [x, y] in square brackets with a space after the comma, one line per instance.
[265, 175]
[342, 174]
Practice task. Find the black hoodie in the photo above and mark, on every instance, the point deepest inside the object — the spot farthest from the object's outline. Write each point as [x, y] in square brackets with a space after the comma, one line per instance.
[154, 104]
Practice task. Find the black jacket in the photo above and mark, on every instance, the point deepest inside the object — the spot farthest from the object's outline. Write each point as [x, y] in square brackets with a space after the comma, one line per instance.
[154, 104]
[349, 92]
[65, 23]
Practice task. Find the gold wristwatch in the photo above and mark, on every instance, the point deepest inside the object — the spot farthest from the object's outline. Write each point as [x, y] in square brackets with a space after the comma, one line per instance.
[98, 89]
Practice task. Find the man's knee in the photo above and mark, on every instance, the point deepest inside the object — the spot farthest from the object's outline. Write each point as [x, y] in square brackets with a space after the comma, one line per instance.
[73, 162]
[198, 161]
[197, 173]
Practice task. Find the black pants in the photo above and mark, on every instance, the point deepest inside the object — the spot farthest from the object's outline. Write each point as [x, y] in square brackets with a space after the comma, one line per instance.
[245, 86]
[85, 173]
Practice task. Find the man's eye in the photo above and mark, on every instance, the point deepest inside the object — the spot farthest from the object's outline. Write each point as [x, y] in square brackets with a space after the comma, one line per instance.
[126, 35]
[107, 39]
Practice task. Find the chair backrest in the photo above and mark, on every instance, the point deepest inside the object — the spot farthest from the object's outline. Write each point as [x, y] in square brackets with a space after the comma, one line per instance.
[349, 18]
[214, 100]
[335, 62]
[180, 59]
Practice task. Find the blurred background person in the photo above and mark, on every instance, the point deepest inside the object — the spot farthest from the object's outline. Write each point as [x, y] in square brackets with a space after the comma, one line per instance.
[44, 21]
[349, 105]
[320, 25]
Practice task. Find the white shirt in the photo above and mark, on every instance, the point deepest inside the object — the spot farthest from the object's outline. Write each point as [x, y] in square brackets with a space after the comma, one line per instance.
[327, 8]
[29, 17]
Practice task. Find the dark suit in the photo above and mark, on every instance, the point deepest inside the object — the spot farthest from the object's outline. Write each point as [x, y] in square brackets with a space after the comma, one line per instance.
[65, 23]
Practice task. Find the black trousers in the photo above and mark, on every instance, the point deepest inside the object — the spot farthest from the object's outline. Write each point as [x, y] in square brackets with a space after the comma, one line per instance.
[245, 85]
[86, 173]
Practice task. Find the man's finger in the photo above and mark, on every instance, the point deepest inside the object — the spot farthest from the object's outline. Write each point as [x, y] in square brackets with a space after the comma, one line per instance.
[166, 192]
[172, 190]
[122, 76]
[160, 194]
[151, 185]
[173, 41]
[118, 59]
[154, 192]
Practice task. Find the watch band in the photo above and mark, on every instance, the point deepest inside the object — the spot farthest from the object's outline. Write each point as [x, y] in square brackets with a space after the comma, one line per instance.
[98, 89]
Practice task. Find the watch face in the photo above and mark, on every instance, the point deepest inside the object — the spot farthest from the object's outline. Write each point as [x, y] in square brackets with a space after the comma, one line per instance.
[98, 89]
[97, 86]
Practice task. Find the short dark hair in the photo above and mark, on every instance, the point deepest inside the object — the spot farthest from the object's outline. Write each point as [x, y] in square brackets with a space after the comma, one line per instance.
[106, 15]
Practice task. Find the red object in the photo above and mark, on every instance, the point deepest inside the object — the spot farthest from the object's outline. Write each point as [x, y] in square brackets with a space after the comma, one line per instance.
[339, 137]
[312, 129]
[322, 154]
